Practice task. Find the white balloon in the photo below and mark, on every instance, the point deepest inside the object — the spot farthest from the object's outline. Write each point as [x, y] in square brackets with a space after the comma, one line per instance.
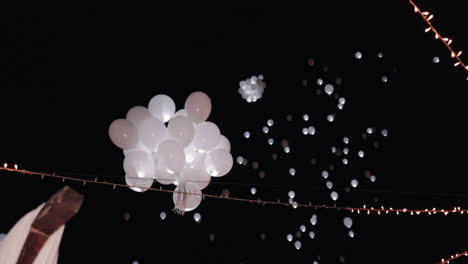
[198, 106]
[139, 147]
[313, 219]
[196, 173]
[134, 183]
[207, 136]
[162, 107]
[162, 175]
[181, 112]
[191, 153]
[224, 143]
[181, 129]
[138, 164]
[348, 222]
[162, 215]
[123, 134]
[171, 155]
[186, 197]
[218, 162]
[298, 245]
[138, 114]
[152, 132]
[197, 217]
[289, 237]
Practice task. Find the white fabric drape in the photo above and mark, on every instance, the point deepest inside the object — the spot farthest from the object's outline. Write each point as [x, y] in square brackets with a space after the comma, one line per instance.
[11, 246]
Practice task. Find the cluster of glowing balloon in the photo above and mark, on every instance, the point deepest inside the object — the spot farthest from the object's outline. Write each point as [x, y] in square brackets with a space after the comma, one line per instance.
[180, 148]
[252, 89]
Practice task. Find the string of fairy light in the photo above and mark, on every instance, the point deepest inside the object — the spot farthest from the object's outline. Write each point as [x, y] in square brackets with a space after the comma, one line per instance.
[453, 257]
[445, 40]
[359, 210]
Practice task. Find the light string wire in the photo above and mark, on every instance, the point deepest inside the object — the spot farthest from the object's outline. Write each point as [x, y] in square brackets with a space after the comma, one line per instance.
[364, 209]
[447, 41]
[453, 257]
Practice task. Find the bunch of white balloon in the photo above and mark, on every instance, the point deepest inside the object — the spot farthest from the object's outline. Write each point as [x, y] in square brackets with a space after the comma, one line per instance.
[252, 89]
[186, 153]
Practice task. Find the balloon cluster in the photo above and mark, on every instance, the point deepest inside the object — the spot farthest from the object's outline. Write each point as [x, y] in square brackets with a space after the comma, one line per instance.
[252, 89]
[186, 153]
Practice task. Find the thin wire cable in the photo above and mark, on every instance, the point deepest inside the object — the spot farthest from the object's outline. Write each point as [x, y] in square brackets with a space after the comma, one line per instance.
[358, 210]
[453, 257]
[447, 41]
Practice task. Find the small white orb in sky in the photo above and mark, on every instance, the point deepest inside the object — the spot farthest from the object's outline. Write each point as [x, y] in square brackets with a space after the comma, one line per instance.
[287, 149]
[302, 228]
[380, 55]
[372, 178]
[333, 149]
[361, 154]
[436, 59]
[292, 171]
[313, 219]
[384, 79]
[197, 217]
[298, 245]
[270, 122]
[253, 190]
[240, 160]
[305, 131]
[162, 215]
[329, 89]
[351, 233]
[265, 129]
[270, 141]
[345, 161]
[370, 130]
[342, 100]
[247, 134]
[311, 130]
[289, 237]
[325, 174]
[311, 234]
[295, 205]
[291, 194]
[345, 151]
[384, 132]
[354, 183]
[135, 262]
[305, 117]
[346, 140]
[319, 81]
[340, 106]
[334, 195]
[348, 222]
[358, 55]
[329, 184]
[330, 118]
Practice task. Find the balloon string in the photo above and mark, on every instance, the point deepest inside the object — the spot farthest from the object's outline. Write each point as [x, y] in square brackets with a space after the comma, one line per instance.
[453, 257]
[363, 209]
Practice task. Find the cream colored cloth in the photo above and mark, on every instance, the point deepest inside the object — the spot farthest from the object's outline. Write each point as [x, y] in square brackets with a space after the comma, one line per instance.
[11, 246]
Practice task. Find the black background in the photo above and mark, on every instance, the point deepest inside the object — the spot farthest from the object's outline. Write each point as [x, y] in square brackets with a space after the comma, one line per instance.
[65, 75]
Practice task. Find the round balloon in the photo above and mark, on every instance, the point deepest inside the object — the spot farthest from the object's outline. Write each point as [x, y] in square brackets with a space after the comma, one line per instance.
[123, 134]
[152, 132]
[138, 164]
[181, 129]
[218, 162]
[224, 143]
[138, 184]
[171, 156]
[162, 107]
[198, 106]
[187, 197]
[206, 137]
[196, 173]
[181, 112]
[162, 175]
[138, 114]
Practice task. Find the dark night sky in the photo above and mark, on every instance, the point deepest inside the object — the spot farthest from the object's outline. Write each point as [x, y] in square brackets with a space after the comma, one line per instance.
[66, 75]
